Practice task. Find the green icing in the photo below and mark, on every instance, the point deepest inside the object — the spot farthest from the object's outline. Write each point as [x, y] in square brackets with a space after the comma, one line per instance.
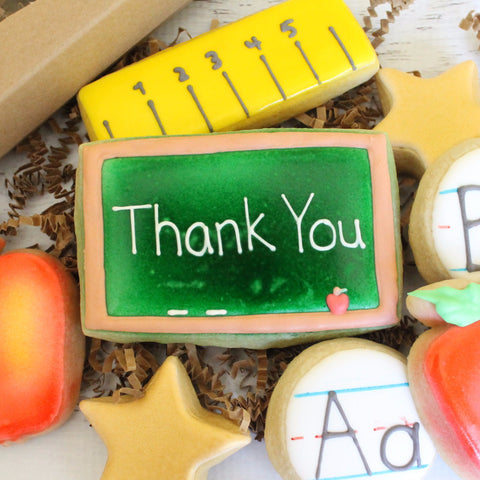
[194, 192]
[458, 307]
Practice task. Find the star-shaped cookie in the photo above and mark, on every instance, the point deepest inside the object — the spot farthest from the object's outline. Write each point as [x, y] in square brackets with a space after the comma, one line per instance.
[166, 434]
[426, 117]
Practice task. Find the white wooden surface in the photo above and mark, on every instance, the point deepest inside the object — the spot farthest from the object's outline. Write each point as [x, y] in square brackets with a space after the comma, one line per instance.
[425, 37]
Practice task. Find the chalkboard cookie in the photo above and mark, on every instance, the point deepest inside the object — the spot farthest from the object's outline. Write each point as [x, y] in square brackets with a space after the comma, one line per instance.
[343, 409]
[445, 220]
[444, 366]
[249, 239]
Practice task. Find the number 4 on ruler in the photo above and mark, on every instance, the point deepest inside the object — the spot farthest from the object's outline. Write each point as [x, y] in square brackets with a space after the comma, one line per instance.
[255, 43]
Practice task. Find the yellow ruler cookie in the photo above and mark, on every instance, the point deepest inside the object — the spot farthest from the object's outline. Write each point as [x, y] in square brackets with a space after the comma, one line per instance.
[255, 72]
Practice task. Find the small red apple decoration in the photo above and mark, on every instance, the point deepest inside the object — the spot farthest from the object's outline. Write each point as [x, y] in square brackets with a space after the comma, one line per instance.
[444, 371]
[338, 301]
[42, 347]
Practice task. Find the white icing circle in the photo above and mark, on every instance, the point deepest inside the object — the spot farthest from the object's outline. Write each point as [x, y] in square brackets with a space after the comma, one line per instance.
[371, 388]
[447, 224]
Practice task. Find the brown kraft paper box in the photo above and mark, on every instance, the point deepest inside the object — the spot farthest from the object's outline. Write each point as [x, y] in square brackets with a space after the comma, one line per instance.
[51, 48]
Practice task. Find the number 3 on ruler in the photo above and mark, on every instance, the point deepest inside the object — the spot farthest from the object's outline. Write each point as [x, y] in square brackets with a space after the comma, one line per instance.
[213, 56]
[217, 63]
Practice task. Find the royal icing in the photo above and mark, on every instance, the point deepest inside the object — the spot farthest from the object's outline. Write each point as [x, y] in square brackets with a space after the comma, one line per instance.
[456, 306]
[443, 370]
[456, 215]
[451, 372]
[338, 301]
[349, 415]
[447, 107]
[217, 241]
[166, 431]
[235, 77]
[444, 223]
[39, 324]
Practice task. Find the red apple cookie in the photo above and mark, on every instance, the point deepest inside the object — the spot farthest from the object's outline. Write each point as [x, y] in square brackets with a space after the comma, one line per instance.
[41, 344]
[444, 371]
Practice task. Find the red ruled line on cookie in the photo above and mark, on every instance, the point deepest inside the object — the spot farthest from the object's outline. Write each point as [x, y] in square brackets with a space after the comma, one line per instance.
[296, 438]
[405, 421]
[444, 227]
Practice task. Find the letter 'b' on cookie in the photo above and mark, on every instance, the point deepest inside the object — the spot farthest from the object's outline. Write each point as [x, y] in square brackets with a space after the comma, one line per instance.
[445, 220]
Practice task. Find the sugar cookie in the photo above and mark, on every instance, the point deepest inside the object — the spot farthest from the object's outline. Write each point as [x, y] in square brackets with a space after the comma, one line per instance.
[238, 239]
[343, 409]
[444, 231]
[426, 117]
[237, 76]
[166, 431]
[444, 366]
[41, 344]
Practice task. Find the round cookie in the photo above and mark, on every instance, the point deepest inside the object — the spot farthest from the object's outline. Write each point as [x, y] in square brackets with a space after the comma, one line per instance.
[346, 399]
[445, 216]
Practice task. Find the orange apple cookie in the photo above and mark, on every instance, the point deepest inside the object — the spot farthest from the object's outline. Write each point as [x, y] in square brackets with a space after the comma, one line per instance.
[444, 224]
[426, 117]
[343, 409]
[166, 431]
[41, 344]
[444, 370]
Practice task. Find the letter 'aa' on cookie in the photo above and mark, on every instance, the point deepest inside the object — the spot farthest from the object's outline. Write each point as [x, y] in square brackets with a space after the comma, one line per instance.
[343, 409]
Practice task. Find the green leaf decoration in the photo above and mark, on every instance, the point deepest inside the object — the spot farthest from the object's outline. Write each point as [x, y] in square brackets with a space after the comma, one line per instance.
[458, 307]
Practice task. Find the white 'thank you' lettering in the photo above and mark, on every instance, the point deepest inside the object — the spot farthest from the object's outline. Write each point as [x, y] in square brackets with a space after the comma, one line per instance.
[199, 241]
